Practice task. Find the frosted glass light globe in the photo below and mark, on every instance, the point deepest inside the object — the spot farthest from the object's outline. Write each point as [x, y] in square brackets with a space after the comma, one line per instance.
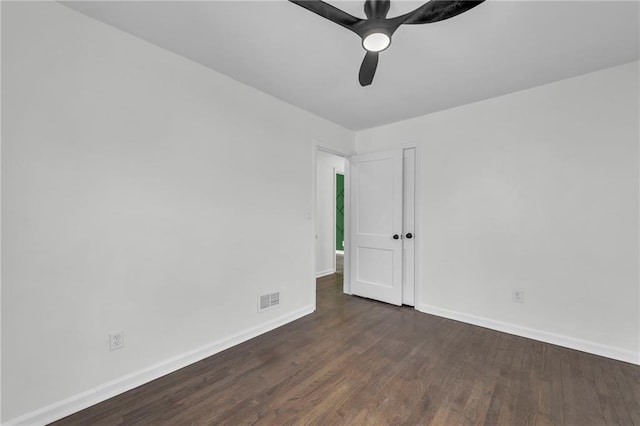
[376, 42]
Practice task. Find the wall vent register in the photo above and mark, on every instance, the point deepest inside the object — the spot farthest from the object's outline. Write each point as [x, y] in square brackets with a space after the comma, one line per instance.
[268, 301]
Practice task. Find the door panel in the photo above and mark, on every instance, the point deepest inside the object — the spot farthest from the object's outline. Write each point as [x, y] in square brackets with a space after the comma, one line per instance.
[372, 266]
[376, 203]
[375, 190]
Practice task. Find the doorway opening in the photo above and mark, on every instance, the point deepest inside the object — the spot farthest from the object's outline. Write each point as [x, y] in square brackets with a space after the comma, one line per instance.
[339, 223]
[365, 204]
[330, 213]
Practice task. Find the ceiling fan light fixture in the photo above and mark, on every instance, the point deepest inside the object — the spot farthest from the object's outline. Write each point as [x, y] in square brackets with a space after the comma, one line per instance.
[376, 30]
[376, 41]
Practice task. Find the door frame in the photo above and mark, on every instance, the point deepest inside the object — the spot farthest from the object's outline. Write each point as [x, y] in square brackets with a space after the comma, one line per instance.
[318, 146]
[417, 221]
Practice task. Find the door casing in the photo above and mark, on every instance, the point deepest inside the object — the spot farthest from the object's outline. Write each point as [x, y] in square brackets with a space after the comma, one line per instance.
[347, 218]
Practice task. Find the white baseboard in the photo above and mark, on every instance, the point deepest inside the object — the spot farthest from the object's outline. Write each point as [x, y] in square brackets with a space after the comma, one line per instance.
[531, 333]
[108, 390]
[325, 273]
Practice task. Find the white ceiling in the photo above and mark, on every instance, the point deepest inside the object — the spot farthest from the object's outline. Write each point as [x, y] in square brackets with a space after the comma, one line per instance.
[282, 49]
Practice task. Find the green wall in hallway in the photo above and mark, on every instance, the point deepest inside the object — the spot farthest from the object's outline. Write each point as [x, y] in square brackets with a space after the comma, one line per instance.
[339, 212]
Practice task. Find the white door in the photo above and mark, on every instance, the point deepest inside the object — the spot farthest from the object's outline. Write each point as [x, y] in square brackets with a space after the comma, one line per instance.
[376, 227]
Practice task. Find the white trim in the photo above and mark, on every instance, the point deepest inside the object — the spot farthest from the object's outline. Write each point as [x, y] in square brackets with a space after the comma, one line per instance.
[334, 217]
[340, 252]
[406, 179]
[325, 272]
[417, 272]
[108, 390]
[346, 267]
[323, 148]
[313, 215]
[540, 335]
[0, 227]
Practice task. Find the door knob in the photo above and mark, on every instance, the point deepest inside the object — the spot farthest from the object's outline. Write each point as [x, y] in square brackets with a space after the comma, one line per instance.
[409, 235]
[396, 236]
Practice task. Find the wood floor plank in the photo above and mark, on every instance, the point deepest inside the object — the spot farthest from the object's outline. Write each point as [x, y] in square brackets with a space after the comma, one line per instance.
[360, 362]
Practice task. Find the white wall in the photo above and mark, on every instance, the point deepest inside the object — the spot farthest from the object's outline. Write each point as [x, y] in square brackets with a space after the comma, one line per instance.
[538, 191]
[326, 167]
[141, 192]
[144, 192]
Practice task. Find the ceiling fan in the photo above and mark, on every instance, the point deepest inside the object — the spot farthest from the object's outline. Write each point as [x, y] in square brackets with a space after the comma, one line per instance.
[377, 29]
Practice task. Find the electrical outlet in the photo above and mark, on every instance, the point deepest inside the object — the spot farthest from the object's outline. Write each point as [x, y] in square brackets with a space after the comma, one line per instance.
[517, 296]
[116, 340]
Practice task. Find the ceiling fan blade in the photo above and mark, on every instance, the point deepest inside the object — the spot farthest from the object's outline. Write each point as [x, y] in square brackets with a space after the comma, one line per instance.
[438, 10]
[376, 9]
[368, 68]
[329, 12]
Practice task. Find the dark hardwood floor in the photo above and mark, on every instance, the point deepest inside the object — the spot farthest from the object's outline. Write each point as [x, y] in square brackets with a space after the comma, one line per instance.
[359, 362]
